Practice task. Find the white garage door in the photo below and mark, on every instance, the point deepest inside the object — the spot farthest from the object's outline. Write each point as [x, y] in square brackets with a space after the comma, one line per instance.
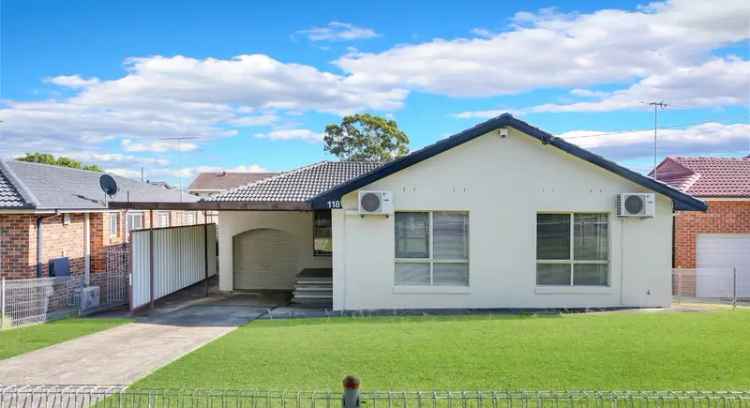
[717, 254]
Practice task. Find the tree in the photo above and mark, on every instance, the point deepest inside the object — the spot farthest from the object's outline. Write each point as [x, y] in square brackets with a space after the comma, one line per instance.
[366, 137]
[46, 158]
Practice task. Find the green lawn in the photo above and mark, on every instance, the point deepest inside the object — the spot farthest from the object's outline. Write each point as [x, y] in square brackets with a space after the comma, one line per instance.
[644, 350]
[22, 340]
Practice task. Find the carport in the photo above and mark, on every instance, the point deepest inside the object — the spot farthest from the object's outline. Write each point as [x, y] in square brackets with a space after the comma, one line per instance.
[270, 238]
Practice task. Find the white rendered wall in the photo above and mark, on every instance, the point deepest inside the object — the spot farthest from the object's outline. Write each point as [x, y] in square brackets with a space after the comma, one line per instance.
[503, 184]
[297, 224]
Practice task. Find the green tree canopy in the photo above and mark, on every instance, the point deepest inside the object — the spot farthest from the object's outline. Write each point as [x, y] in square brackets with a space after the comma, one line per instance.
[366, 137]
[46, 158]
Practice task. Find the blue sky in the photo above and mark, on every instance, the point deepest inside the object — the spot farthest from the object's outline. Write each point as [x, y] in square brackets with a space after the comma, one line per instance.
[255, 83]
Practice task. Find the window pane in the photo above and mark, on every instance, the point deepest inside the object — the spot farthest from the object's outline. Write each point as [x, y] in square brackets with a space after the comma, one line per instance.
[450, 235]
[590, 274]
[412, 235]
[591, 237]
[322, 243]
[450, 274]
[412, 273]
[553, 274]
[552, 236]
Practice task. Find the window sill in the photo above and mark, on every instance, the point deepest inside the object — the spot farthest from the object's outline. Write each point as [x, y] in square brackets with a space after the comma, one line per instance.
[574, 290]
[432, 290]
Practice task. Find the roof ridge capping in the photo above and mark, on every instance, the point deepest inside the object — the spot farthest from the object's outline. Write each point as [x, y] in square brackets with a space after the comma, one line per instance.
[19, 185]
[681, 200]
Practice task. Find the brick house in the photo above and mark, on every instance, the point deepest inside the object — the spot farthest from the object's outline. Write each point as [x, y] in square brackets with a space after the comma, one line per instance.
[49, 212]
[719, 237]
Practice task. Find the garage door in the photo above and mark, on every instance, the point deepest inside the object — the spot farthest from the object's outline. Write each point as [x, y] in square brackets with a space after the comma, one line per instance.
[264, 259]
[717, 254]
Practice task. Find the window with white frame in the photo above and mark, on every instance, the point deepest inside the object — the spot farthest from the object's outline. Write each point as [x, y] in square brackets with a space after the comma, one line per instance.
[188, 218]
[432, 248]
[162, 219]
[135, 221]
[572, 249]
[114, 224]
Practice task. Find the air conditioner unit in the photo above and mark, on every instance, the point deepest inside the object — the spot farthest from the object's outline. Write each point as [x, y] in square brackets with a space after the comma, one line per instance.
[375, 203]
[636, 205]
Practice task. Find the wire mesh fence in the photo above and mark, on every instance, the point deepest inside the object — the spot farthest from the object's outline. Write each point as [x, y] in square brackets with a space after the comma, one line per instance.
[37, 300]
[723, 285]
[28, 301]
[105, 397]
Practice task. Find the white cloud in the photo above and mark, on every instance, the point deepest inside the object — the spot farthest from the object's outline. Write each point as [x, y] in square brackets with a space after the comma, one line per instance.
[719, 82]
[158, 146]
[167, 97]
[548, 50]
[706, 138]
[72, 81]
[587, 93]
[338, 31]
[306, 135]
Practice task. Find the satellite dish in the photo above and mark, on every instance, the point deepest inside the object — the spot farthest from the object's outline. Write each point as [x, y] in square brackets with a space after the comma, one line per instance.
[108, 184]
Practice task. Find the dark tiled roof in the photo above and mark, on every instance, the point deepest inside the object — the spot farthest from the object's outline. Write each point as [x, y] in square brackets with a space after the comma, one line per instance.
[63, 188]
[301, 184]
[222, 181]
[9, 196]
[707, 176]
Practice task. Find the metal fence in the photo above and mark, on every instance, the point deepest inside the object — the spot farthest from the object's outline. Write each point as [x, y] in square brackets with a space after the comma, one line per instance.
[29, 301]
[105, 397]
[725, 285]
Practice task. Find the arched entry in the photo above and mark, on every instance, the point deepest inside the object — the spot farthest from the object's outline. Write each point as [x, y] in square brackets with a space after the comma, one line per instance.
[264, 259]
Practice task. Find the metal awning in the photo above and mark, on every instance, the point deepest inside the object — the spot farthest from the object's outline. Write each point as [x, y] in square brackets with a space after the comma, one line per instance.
[213, 205]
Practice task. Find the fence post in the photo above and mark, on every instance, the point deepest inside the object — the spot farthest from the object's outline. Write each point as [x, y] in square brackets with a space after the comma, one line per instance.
[734, 288]
[351, 392]
[2, 303]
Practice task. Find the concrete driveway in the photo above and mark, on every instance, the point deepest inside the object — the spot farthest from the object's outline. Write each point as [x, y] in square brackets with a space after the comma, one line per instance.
[122, 355]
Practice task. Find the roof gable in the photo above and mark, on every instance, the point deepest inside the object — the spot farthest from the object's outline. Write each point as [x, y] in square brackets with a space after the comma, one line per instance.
[681, 200]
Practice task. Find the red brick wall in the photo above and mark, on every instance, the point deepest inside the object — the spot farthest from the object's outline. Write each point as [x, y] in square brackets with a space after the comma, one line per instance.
[60, 240]
[14, 246]
[722, 217]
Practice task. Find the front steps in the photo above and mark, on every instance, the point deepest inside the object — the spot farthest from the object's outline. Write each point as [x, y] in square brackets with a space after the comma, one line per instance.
[314, 287]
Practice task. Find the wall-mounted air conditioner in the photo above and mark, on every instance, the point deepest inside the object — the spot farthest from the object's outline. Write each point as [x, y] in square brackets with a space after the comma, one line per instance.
[636, 205]
[375, 203]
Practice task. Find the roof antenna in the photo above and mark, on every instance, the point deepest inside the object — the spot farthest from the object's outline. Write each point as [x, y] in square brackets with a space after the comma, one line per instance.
[656, 105]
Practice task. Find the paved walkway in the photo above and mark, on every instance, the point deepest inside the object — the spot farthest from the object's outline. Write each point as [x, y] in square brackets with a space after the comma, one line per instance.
[122, 355]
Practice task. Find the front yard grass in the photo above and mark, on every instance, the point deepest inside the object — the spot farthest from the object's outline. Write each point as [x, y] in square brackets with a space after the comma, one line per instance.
[605, 351]
[24, 339]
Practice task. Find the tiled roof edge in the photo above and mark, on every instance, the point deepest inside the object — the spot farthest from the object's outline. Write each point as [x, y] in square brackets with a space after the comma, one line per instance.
[269, 179]
[29, 197]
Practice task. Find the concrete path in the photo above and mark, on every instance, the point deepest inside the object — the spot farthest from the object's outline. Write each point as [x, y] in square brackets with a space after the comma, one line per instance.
[124, 354]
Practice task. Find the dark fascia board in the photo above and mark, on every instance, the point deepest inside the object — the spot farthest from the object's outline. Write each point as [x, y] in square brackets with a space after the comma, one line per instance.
[681, 201]
[214, 206]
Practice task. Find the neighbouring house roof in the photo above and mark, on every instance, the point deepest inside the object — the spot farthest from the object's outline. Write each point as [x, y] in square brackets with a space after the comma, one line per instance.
[45, 187]
[299, 185]
[707, 176]
[224, 180]
[681, 200]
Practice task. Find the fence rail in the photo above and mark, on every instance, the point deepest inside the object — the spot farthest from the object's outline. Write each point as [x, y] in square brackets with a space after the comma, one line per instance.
[37, 300]
[727, 285]
[57, 396]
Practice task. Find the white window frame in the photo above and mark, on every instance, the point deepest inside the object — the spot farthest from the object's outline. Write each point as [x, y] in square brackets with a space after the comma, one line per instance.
[134, 214]
[572, 261]
[430, 259]
[114, 232]
[159, 215]
[185, 215]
